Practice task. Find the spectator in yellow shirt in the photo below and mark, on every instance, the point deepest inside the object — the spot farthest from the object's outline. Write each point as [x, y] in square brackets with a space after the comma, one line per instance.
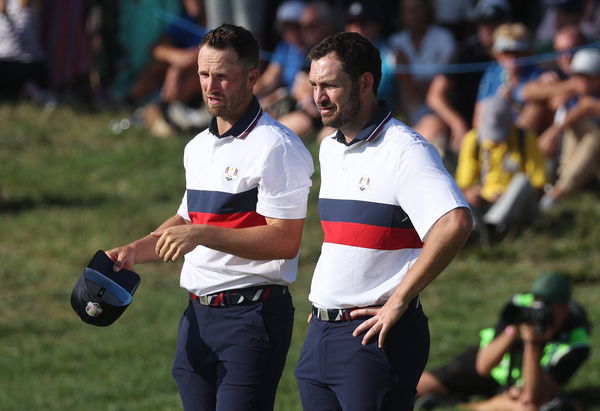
[500, 168]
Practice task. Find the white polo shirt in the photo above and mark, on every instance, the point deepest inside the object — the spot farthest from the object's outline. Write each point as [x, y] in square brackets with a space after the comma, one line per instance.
[379, 197]
[257, 169]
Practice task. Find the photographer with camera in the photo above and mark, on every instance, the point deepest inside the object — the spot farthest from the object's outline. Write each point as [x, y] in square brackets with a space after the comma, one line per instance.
[540, 341]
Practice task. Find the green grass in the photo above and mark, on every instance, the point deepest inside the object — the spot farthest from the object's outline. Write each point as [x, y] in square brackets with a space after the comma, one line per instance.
[70, 187]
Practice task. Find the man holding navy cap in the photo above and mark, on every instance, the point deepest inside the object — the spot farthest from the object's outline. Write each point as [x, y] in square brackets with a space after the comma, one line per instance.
[393, 219]
[239, 227]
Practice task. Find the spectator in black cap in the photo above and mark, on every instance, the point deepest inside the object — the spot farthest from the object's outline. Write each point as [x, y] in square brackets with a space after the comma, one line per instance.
[451, 96]
[518, 363]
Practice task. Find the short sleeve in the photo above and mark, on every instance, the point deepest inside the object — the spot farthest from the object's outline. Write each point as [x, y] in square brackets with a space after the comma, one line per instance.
[285, 183]
[183, 209]
[425, 190]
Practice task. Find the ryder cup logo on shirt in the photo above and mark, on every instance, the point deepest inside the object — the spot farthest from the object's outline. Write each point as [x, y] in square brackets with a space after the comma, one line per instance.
[230, 173]
[364, 183]
[93, 309]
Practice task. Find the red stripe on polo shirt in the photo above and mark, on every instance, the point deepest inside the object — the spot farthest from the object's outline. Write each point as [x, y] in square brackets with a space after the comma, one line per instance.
[233, 220]
[370, 236]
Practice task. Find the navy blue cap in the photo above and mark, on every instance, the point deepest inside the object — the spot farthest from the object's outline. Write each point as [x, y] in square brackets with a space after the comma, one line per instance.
[101, 295]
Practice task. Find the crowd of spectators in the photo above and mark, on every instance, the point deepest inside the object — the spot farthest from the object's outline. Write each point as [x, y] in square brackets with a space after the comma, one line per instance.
[503, 88]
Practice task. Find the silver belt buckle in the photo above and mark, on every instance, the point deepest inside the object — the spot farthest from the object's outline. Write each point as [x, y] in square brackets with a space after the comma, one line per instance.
[204, 299]
[323, 314]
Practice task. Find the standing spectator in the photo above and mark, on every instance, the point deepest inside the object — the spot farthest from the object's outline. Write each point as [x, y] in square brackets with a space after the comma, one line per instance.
[420, 47]
[22, 61]
[580, 156]
[67, 46]
[451, 96]
[393, 220]
[500, 169]
[239, 227]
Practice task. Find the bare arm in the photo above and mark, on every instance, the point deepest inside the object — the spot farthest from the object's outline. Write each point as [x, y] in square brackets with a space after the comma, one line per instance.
[141, 250]
[541, 90]
[438, 101]
[278, 239]
[491, 355]
[538, 386]
[178, 57]
[445, 239]
[269, 80]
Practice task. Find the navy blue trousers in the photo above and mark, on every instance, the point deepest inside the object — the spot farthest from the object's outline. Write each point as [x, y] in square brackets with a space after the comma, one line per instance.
[336, 372]
[231, 358]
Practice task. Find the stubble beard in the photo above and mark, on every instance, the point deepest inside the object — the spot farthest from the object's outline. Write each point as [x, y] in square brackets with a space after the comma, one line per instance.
[230, 104]
[345, 114]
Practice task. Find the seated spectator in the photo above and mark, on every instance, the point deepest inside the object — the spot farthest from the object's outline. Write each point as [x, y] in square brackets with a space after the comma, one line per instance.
[422, 46]
[451, 96]
[583, 14]
[22, 61]
[317, 21]
[508, 77]
[521, 363]
[275, 83]
[545, 94]
[365, 17]
[173, 68]
[580, 124]
[500, 169]
[173, 74]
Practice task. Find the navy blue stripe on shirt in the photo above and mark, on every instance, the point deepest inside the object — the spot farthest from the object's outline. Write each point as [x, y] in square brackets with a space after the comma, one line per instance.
[218, 202]
[363, 212]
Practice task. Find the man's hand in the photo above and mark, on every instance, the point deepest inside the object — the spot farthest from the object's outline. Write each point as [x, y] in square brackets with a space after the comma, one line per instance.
[124, 257]
[530, 335]
[176, 241]
[383, 318]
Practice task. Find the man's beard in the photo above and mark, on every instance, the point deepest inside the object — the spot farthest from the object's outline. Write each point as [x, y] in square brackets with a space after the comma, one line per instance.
[228, 106]
[346, 113]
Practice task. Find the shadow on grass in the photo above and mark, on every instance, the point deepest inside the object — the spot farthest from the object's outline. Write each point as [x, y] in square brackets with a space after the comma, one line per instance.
[22, 204]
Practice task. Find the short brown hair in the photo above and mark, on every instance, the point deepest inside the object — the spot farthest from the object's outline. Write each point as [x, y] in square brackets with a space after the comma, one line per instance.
[237, 38]
[356, 53]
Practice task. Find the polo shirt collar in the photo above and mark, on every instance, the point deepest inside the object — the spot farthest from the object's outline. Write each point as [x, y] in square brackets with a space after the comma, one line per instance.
[243, 126]
[372, 128]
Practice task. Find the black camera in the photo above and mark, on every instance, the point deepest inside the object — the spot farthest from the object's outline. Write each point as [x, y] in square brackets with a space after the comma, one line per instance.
[538, 314]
